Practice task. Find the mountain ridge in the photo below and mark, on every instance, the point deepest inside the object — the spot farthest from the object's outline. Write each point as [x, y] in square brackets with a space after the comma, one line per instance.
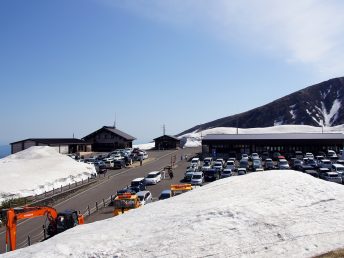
[315, 105]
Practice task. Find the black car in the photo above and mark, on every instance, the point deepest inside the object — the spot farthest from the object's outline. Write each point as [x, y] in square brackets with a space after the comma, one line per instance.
[212, 175]
[119, 164]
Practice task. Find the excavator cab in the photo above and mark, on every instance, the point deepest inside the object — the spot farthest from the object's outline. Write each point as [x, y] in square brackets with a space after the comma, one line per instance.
[65, 220]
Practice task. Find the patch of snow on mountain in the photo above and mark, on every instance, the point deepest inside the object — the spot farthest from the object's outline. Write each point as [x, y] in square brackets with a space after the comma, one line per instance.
[276, 214]
[292, 113]
[324, 94]
[330, 117]
[38, 169]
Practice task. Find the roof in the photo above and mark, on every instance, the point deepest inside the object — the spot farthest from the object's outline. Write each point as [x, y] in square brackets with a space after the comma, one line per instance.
[168, 136]
[54, 141]
[276, 136]
[114, 130]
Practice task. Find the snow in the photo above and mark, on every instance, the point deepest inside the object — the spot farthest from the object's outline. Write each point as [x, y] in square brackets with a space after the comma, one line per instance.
[145, 146]
[267, 214]
[330, 117]
[194, 139]
[38, 169]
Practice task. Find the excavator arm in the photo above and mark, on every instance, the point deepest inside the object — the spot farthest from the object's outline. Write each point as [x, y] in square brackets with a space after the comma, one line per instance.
[28, 212]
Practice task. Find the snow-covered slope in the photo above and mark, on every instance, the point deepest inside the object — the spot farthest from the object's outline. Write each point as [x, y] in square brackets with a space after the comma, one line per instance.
[145, 146]
[194, 139]
[38, 169]
[268, 214]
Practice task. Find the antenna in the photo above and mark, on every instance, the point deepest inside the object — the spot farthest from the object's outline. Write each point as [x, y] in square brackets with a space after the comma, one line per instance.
[73, 135]
[114, 124]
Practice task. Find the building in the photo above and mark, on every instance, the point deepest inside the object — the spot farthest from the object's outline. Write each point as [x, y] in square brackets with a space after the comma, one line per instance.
[166, 142]
[62, 145]
[224, 144]
[109, 138]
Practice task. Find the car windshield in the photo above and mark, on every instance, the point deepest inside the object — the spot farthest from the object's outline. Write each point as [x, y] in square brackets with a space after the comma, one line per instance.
[164, 196]
[283, 162]
[218, 164]
[196, 177]
[140, 197]
[135, 183]
[340, 169]
[151, 175]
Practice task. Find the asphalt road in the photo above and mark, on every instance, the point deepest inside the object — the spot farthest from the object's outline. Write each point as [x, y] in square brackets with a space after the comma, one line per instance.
[106, 187]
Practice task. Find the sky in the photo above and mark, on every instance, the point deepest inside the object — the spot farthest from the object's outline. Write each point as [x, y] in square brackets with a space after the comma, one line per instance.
[72, 66]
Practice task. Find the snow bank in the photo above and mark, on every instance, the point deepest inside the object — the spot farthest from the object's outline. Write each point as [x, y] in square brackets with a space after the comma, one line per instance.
[194, 139]
[268, 214]
[38, 169]
[145, 146]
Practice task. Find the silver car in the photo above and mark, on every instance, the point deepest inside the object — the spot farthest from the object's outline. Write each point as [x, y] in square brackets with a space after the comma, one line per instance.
[145, 197]
[197, 178]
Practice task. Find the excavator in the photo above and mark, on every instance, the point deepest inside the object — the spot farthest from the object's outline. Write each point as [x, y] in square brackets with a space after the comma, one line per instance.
[58, 222]
[125, 202]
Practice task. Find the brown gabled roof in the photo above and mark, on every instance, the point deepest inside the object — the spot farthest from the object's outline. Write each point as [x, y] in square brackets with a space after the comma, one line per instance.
[169, 136]
[115, 131]
[54, 141]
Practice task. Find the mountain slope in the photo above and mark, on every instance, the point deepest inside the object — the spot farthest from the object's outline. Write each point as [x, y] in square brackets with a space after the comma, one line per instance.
[318, 105]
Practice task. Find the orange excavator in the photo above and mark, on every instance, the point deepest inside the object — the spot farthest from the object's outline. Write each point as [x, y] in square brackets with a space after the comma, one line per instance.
[58, 222]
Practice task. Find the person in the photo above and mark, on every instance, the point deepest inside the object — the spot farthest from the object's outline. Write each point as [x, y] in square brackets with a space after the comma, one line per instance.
[170, 173]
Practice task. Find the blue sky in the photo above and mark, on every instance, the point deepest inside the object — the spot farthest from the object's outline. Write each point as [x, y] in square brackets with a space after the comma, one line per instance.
[72, 66]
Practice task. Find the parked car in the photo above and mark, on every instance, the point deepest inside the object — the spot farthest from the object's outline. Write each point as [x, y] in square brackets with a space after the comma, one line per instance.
[195, 162]
[312, 172]
[119, 164]
[227, 172]
[331, 176]
[109, 163]
[197, 178]
[297, 164]
[269, 164]
[275, 155]
[138, 184]
[331, 154]
[339, 169]
[165, 194]
[220, 160]
[325, 163]
[309, 155]
[230, 165]
[208, 160]
[265, 155]
[242, 171]
[283, 164]
[145, 197]
[244, 156]
[299, 155]
[254, 156]
[212, 174]
[153, 178]
[218, 165]
[206, 166]
[244, 164]
[188, 175]
[256, 164]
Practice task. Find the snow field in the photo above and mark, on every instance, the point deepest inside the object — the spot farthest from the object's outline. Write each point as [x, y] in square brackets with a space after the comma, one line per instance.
[38, 169]
[268, 214]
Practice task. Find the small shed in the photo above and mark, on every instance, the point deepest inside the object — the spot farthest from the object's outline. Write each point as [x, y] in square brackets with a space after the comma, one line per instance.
[166, 142]
[62, 145]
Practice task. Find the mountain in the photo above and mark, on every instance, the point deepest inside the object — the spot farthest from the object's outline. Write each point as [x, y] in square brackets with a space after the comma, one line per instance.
[318, 105]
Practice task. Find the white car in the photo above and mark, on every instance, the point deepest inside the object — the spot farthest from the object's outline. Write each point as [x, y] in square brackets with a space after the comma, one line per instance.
[255, 156]
[145, 197]
[244, 156]
[283, 164]
[242, 171]
[218, 165]
[325, 163]
[309, 155]
[153, 178]
[197, 178]
[230, 165]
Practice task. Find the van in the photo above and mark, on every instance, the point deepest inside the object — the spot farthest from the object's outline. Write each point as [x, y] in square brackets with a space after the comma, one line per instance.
[153, 178]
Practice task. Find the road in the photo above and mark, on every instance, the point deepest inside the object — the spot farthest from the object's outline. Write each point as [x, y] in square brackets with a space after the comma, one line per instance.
[113, 181]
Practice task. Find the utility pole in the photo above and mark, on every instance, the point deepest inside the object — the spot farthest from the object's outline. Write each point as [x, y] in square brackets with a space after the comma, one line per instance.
[164, 129]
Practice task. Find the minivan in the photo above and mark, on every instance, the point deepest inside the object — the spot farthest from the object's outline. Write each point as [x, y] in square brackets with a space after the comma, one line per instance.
[153, 177]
